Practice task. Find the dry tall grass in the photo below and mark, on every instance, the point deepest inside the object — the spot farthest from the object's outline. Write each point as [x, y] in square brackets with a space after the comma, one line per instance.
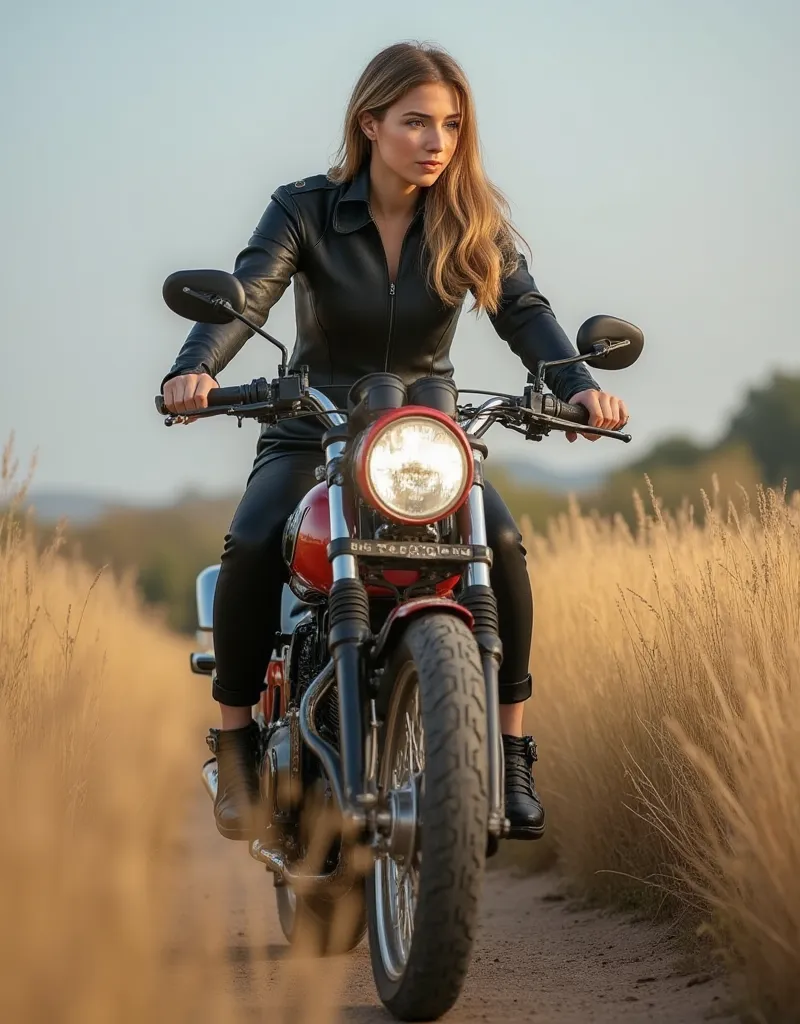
[668, 717]
[99, 741]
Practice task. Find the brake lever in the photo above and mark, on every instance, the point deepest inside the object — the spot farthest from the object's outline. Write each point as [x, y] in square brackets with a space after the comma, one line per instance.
[580, 428]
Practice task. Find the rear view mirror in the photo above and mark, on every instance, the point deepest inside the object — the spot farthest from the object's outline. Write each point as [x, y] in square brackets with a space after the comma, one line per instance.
[207, 289]
[607, 332]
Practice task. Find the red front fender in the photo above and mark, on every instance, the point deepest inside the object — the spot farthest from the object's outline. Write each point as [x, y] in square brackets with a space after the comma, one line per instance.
[400, 616]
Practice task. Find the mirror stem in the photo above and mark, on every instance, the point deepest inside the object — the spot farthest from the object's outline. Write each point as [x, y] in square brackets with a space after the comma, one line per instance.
[602, 348]
[537, 379]
[258, 330]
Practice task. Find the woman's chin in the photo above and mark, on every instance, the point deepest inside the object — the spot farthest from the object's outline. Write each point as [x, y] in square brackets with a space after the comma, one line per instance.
[424, 178]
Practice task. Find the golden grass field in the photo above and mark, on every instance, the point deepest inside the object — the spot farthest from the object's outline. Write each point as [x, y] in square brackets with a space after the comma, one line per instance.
[666, 712]
[668, 720]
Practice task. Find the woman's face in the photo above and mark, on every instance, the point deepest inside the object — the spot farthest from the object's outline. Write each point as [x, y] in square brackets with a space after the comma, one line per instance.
[418, 135]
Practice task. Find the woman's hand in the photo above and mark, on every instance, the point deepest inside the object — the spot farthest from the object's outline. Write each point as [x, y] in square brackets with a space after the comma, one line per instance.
[187, 392]
[604, 411]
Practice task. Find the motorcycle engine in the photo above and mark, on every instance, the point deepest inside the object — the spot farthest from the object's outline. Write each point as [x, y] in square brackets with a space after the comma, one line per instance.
[306, 662]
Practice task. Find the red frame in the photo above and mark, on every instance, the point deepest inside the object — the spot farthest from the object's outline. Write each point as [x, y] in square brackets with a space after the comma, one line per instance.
[371, 434]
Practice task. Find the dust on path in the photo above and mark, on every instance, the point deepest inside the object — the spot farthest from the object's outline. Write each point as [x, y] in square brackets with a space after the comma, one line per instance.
[536, 957]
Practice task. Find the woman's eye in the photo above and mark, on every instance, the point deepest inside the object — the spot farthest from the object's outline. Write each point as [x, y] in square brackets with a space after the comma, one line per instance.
[454, 125]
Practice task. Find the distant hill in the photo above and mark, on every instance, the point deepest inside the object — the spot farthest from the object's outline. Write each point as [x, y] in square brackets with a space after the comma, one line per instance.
[77, 506]
[83, 508]
[531, 475]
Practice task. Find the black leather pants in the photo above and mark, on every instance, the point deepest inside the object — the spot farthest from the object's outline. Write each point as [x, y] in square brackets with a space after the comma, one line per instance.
[248, 595]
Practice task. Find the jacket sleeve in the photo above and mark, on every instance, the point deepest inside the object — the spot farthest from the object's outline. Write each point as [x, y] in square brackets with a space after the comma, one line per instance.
[526, 322]
[265, 268]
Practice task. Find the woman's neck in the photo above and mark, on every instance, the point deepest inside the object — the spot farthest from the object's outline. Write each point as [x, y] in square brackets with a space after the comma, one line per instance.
[390, 197]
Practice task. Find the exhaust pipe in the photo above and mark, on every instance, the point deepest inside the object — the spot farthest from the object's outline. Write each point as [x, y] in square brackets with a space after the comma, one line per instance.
[330, 884]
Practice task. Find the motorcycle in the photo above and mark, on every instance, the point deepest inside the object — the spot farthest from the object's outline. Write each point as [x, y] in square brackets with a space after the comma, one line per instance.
[381, 765]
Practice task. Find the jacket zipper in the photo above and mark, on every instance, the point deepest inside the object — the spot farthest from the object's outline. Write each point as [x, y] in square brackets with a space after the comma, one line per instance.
[392, 292]
[392, 289]
[391, 323]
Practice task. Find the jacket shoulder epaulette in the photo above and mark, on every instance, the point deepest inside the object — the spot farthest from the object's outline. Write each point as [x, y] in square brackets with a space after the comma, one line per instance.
[312, 184]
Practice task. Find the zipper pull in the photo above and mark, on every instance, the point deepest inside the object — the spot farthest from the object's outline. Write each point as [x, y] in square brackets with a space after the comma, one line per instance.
[391, 288]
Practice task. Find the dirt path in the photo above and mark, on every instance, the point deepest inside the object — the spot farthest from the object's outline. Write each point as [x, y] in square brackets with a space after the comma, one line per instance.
[536, 957]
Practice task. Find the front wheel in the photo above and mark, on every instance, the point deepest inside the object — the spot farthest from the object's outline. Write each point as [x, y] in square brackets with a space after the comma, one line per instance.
[422, 897]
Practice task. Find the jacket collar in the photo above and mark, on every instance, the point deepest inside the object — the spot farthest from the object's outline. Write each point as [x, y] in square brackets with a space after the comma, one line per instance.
[352, 209]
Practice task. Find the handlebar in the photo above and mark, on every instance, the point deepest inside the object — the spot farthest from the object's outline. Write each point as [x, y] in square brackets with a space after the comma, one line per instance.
[262, 397]
[533, 414]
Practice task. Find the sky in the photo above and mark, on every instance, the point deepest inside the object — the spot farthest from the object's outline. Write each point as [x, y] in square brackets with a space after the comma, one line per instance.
[649, 150]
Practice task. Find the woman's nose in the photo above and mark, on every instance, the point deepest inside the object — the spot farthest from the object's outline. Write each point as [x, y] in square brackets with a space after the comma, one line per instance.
[434, 143]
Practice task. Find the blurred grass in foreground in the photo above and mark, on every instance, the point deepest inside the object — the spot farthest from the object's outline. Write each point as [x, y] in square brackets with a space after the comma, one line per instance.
[98, 760]
[667, 708]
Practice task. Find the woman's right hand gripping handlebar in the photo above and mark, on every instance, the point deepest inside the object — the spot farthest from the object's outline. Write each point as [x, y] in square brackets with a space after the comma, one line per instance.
[187, 392]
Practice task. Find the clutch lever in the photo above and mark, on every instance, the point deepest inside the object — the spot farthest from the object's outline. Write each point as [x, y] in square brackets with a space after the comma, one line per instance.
[241, 411]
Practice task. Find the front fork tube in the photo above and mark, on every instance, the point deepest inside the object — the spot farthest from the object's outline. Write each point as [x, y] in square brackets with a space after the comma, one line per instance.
[479, 598]
[349, 629]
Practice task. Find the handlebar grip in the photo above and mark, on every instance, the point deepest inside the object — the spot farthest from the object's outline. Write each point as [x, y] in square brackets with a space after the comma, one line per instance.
[217, 396]
[228, 396]
[240, 394]
[565, 411]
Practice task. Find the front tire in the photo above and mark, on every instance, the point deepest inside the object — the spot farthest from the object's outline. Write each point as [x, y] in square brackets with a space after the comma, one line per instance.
[423, 910]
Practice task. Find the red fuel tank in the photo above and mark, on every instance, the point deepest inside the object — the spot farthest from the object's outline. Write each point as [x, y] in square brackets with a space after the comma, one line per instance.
[306, 539]
[305, 549]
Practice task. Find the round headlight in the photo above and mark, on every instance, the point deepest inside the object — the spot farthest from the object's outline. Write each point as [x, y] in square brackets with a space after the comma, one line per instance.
[416, 468]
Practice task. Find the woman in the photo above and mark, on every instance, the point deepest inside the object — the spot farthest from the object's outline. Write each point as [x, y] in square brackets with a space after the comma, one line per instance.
[382, 251]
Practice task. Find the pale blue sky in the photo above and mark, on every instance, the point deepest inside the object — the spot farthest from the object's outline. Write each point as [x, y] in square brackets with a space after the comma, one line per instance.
[649, 150]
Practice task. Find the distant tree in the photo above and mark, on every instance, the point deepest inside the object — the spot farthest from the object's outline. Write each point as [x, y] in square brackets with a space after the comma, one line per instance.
[769, 424]
[165, 548]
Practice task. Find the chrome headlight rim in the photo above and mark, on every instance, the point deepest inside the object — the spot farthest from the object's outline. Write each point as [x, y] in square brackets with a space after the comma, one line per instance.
[373, 434]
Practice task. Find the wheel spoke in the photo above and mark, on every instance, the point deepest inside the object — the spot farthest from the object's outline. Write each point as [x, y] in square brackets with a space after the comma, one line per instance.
[397, 877]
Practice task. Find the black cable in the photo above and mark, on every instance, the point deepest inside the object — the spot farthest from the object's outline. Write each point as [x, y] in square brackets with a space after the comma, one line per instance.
[492, 394]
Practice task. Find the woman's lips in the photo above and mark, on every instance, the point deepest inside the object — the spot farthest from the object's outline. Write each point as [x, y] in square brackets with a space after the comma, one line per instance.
[429, 165]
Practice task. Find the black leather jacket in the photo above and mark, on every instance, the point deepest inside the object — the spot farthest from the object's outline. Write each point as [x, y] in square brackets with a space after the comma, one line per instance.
[350, 319]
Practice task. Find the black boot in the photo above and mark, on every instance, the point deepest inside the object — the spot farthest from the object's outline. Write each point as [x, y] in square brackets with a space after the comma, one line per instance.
[523, 808]
[237, 805]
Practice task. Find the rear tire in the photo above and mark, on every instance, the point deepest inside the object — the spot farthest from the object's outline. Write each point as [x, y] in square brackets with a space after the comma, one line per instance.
[421, 945]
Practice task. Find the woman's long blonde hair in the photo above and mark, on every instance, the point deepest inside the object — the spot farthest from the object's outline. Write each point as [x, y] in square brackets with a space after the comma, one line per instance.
[469, 238]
